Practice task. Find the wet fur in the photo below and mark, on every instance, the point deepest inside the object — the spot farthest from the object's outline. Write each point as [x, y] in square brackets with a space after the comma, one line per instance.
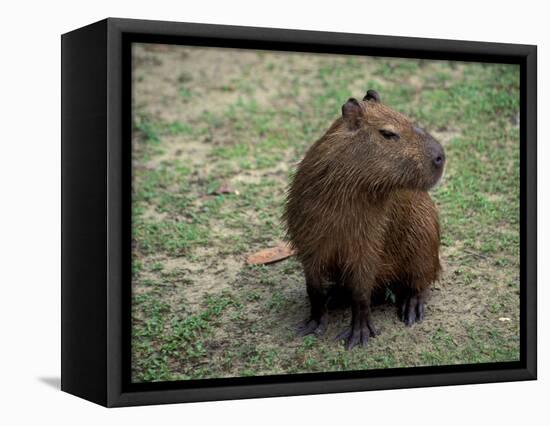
[358, 214]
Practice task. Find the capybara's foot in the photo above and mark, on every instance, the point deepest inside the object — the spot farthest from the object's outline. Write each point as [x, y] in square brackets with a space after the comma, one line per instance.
[412, 310]
[312, 326]
[354, 336]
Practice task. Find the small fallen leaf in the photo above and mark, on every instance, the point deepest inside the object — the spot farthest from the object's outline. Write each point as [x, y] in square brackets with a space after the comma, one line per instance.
[224, 188]
[504, 319]
[270, 255]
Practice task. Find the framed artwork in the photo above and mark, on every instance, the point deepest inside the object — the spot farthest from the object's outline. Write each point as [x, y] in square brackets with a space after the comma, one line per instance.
[254, 212]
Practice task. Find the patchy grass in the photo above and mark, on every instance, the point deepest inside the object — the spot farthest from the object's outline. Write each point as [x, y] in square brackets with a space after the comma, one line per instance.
[200, 312]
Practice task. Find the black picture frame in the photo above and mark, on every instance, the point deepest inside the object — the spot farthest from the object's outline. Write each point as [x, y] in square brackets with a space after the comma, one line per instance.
[96, 257]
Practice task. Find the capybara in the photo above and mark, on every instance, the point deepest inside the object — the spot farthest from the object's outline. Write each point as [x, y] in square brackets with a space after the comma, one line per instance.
[358, 214]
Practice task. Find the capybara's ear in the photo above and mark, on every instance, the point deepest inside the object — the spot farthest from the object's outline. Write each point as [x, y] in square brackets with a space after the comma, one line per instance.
[352, 113]
[372, 95]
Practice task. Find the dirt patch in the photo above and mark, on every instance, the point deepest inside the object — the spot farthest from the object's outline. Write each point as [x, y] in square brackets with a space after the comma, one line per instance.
[161, 79]
[280, 171]
[203, 272]
[446, 136]
[183, 149]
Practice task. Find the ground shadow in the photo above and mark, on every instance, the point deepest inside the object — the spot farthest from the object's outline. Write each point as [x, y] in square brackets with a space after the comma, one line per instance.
[54, 382]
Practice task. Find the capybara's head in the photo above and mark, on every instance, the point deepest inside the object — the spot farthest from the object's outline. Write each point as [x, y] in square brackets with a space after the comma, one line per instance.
[382, 148]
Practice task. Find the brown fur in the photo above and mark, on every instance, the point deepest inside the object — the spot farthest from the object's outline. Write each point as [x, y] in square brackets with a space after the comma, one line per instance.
[358, 213]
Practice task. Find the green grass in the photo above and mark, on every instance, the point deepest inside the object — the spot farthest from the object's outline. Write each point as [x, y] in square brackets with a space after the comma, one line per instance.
[199, 312]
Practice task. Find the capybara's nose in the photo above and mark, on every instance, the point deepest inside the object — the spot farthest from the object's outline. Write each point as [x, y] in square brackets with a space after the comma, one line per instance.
[438, 156]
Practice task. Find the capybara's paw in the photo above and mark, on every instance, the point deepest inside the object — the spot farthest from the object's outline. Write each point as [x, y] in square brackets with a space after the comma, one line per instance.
[312, 326]
[373, 331]
[356, 336]
[412, 310]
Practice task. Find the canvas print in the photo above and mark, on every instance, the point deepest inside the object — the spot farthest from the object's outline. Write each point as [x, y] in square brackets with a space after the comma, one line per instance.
[302, 213]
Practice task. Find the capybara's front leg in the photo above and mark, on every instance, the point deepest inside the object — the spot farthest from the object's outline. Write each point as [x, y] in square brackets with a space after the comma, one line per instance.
[413, 306]
[361, 327]
[317, 321]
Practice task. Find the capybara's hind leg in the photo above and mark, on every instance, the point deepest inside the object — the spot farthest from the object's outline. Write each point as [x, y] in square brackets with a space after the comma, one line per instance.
[361, 327]
[413, 306]
[317, 322]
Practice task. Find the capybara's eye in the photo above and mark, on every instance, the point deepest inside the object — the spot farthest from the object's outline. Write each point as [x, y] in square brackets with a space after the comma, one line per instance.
[389, 134]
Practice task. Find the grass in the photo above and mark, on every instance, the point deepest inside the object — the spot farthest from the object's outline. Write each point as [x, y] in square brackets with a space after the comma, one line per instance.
[200, 312]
